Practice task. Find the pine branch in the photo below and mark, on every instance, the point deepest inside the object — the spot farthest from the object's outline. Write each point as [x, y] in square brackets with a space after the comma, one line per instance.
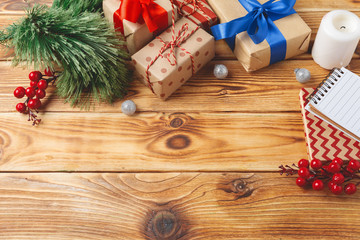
[90, 53]
[78, 6]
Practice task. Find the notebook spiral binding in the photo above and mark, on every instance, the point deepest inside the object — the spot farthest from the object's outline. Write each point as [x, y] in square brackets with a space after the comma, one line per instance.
[325, 85]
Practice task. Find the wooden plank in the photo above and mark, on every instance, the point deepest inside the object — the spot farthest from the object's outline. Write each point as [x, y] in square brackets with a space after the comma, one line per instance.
[325, 5]
[272, 89]
[151, 142]
[171, 206]
[18, 6]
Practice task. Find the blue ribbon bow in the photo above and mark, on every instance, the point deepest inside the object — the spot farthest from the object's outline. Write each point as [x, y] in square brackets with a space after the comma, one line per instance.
[259, 23]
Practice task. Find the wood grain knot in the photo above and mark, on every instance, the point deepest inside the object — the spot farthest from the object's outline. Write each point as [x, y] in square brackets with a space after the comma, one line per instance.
[164, 225]
[241, 188]
[176, 122]
[239, 185]
[223, 92]
[179, 141]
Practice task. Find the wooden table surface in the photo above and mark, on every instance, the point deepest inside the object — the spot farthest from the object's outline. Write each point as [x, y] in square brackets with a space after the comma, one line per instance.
[201, 165]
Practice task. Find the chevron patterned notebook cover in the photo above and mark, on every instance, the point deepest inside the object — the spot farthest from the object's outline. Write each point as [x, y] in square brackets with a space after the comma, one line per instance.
[324, 141]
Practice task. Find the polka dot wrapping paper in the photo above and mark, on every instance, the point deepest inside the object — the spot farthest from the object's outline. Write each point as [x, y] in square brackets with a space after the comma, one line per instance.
[137, 34]
[164, 77]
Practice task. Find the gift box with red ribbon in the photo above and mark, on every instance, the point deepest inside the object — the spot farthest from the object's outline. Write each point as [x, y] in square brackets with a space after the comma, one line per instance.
[198, 11]
[171, 59]
[138, 20]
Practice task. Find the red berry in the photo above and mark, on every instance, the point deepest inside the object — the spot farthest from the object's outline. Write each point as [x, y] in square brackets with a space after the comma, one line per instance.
[35, 76]
[301, 182]
[48, 72]
[338, 161]
[38, 103]
[316, 164]
[303, 163]
[33, 84]
[32, 103]
[330, 184]
[42, 84]
[19, 92]
[318, 185]
[338, 178]
[40, 93]
[334, 167]
[304, 172]
[336, 189]
[21, 107]
[30, 92]
[349, 169]
[354, 165]
[350, 188]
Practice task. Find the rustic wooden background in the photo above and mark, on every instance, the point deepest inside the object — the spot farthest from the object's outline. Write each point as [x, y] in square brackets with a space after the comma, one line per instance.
[201, 165]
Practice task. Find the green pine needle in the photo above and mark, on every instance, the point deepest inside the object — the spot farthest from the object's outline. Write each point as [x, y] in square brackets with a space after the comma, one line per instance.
[78, 6]
[89, 52]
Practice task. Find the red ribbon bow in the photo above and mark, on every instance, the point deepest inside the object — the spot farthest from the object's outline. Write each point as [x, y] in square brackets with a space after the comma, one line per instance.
[154, 16]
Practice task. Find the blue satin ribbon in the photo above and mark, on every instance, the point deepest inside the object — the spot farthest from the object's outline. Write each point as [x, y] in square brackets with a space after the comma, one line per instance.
[259, 24]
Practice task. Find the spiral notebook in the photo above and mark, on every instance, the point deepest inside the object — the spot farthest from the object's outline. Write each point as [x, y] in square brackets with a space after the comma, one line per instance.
[337, 101]
[323, 141]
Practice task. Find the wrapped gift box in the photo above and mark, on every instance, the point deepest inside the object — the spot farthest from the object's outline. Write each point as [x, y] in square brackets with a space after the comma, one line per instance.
[137, 34]
[200, 13]
[164, 77]
[255, 56]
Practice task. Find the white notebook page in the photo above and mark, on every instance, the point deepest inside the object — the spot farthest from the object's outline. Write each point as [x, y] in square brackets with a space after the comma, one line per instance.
[342, 103]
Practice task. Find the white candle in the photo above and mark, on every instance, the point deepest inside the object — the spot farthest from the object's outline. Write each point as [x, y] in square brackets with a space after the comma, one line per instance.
[336, 40]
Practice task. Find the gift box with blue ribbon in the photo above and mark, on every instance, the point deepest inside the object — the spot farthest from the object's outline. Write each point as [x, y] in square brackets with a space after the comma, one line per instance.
[261, 32]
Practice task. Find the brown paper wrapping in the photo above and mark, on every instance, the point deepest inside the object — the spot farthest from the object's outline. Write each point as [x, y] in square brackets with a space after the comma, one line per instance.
[137, 35]
[164, 77]
[255, 56]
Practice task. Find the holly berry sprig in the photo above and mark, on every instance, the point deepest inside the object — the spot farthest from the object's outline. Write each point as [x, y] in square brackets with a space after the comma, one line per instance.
[336, 173]
[38, 84]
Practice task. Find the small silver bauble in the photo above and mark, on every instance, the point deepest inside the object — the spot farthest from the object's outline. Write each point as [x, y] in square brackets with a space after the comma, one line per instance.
[220, 71]
[128, 107]
[302, 75]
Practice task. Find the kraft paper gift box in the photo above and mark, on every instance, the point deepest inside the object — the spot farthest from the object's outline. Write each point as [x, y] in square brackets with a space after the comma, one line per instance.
[137, 34]
[153, 65]
[198, 11]
[255, 56]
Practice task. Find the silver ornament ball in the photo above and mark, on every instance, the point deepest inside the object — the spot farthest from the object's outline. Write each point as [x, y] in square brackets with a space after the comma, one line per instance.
[302, 75]
[220, 71]
[128, 107]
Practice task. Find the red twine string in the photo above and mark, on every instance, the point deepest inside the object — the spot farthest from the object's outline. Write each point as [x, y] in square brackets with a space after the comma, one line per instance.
[177, 39]
[196, 5]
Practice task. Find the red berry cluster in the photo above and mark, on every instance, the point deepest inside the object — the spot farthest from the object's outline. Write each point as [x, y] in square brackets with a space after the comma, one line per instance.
[38, 84]
[336, 173]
